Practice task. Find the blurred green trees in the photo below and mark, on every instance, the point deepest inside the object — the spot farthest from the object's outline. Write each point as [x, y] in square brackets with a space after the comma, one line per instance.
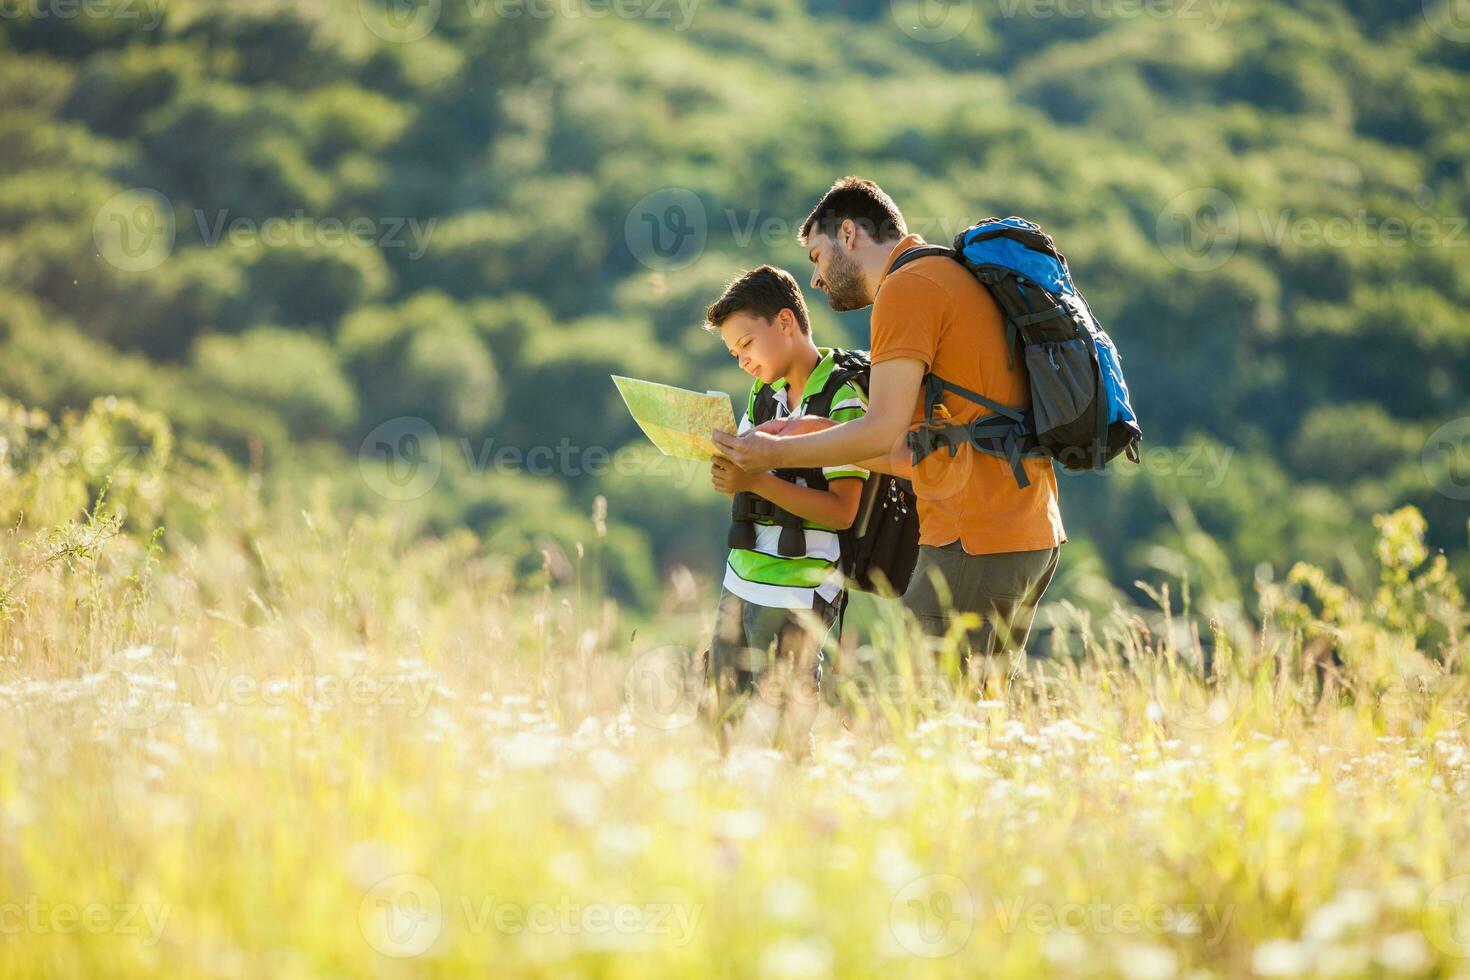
[324, 226]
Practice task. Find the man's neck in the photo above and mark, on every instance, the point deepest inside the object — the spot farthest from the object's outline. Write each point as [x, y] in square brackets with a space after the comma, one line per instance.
[874, 269]
[806, 361]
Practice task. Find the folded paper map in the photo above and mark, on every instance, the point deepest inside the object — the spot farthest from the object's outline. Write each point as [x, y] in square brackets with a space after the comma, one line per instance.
[677, 421]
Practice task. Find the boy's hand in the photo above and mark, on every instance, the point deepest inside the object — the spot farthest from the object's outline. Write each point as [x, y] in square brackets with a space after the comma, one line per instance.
[729, 478]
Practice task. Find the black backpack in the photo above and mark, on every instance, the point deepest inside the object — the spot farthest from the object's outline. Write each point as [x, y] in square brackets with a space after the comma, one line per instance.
[879, 550]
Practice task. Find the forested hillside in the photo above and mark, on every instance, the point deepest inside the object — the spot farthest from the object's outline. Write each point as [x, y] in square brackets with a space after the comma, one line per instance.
[283, 226]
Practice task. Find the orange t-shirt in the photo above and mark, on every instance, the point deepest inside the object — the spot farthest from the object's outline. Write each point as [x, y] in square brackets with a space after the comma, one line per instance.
[934, 310]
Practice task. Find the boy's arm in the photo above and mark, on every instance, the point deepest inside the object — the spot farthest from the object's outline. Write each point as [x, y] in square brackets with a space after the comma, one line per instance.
[834, 507]
[837, 506]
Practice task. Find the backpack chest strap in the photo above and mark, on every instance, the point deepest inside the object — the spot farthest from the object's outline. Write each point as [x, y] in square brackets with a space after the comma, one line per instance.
[1005, 433]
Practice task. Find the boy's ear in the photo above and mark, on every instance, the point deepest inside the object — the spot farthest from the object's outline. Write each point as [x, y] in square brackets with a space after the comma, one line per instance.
[786, 320]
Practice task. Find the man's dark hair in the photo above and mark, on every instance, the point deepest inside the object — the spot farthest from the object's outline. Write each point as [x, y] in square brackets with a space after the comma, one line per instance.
[764, 292]
[870, 208]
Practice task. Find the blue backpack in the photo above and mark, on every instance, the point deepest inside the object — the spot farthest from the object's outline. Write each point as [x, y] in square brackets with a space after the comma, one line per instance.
[1079, 413]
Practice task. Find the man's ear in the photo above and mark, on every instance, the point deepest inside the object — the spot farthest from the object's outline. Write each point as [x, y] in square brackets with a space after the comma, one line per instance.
[847, 234]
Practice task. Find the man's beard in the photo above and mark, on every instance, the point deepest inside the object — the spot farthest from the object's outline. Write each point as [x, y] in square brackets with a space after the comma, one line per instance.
[845, 287]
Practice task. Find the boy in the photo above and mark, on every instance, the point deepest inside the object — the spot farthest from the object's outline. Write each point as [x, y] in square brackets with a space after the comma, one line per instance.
[782, 589]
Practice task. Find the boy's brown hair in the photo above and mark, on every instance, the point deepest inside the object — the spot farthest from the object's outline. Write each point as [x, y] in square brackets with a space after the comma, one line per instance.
[764, 292]
[870, 208]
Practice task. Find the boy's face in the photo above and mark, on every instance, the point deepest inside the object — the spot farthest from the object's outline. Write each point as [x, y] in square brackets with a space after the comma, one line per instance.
[763, 347]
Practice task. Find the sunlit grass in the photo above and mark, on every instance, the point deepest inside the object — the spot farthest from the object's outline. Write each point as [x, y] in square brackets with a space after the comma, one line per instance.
[309, 748]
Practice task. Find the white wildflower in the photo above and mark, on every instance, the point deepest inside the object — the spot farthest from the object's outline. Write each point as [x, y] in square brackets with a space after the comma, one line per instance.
[1281, 958]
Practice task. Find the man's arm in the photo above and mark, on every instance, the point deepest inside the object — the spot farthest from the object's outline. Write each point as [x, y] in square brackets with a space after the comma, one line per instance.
[897, 463]
[893, 390]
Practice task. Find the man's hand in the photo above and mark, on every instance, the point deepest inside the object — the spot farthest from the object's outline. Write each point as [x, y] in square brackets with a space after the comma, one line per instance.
[726, 477]
[754, 452]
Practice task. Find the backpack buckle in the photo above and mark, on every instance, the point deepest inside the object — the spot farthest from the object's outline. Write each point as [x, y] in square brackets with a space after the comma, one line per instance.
[929, 437]
[949, 436]
[946, 437]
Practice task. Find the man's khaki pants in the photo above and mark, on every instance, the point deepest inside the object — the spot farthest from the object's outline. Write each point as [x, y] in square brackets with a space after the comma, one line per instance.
[1003, 589]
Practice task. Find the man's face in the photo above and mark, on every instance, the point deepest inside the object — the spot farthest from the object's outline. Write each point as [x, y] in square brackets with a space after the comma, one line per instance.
[762, 346]
[836, 273]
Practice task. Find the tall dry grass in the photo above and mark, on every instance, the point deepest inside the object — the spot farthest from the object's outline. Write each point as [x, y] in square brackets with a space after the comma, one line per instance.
[294, 742]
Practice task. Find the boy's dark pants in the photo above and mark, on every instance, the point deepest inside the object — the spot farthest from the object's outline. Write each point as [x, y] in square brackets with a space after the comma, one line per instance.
[746, 634]
[1004, 589]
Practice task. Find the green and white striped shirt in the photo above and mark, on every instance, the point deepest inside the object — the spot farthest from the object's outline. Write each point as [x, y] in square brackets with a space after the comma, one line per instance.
[760, 575]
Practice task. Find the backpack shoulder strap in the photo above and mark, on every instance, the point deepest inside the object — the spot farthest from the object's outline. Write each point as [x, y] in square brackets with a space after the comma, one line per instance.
[919, 252]
[848, 365]
[762, 404]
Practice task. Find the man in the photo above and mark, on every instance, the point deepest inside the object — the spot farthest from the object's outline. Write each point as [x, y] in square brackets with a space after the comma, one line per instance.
[993, 544]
